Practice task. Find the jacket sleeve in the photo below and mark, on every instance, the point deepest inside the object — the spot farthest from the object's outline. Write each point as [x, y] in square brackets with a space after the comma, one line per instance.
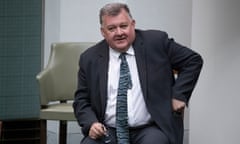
[188, 64]
[82, 103]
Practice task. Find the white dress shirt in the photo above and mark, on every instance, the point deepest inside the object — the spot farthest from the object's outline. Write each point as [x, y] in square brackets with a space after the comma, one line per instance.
[137, 111]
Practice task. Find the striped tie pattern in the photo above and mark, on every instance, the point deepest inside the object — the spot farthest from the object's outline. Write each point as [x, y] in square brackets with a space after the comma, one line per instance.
[125, 83]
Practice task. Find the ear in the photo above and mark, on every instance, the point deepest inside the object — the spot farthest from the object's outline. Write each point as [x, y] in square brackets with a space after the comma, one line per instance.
[102, 32]
[133, 22]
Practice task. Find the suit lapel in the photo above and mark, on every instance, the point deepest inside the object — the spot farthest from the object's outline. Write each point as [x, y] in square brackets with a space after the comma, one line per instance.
[103, 58]
[140, 52]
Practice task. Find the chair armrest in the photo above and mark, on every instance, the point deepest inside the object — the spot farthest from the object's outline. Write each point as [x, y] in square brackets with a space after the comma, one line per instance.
[45, 82]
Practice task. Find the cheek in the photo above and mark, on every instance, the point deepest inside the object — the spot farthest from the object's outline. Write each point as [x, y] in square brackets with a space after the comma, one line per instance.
[109, 36]
[105, 34]
[130, 35]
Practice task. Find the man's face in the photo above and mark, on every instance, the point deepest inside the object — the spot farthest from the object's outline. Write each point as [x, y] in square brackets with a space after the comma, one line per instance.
[119, 31]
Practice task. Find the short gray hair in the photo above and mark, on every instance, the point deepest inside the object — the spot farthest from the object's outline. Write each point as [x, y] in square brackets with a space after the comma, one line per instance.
[113, 9]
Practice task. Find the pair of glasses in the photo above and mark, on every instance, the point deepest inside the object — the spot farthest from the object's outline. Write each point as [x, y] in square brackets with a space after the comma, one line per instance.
[107, 138]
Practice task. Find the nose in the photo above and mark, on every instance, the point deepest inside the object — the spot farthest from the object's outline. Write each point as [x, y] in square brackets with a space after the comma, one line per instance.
[119, 31]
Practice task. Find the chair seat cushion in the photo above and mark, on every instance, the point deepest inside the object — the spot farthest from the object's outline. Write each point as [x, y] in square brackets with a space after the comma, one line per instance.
[60, 111]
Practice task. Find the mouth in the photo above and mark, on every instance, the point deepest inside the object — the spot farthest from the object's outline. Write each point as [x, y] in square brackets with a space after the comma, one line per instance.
[120, 39]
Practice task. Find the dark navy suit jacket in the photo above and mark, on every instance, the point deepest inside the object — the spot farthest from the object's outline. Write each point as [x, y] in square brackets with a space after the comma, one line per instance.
[156, 57]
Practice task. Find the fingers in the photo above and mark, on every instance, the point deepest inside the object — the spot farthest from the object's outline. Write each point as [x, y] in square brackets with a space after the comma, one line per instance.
[178, 105]
[97, 130]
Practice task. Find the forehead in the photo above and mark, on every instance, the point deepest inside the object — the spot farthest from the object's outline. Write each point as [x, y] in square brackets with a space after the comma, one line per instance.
[122, 17]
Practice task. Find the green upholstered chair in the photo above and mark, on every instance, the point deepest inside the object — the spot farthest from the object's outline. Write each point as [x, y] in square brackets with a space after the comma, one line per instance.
[57, 84]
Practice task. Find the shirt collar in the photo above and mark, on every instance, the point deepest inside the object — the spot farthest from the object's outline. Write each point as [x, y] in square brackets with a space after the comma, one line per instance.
[116, 54]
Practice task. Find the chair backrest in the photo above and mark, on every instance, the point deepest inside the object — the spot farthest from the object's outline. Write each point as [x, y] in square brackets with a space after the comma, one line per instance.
[58, 81]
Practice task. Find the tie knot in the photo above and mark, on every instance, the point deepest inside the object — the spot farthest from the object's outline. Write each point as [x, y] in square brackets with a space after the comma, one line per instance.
[122, 56]
[124, 70]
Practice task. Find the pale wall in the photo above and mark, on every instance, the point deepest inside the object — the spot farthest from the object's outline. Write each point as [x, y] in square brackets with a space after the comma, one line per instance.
[214, 113]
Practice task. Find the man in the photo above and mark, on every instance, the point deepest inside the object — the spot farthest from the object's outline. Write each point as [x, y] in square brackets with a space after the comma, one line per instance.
[155, 101]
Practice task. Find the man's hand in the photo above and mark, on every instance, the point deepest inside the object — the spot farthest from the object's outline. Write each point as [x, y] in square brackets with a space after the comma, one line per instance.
[178, 106]
[97, 130]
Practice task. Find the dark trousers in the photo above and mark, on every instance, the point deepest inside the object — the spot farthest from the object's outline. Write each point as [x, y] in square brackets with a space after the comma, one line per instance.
[150, 134]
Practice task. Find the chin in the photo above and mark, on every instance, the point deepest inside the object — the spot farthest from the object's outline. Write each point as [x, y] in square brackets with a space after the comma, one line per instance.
[121, 49]
[121, 46]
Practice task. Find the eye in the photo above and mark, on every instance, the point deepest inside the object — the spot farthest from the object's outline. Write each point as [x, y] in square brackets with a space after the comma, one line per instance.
[111, 29]
[124, 26]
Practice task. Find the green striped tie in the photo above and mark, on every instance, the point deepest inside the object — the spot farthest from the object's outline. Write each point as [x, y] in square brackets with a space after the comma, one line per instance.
[125, 83]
